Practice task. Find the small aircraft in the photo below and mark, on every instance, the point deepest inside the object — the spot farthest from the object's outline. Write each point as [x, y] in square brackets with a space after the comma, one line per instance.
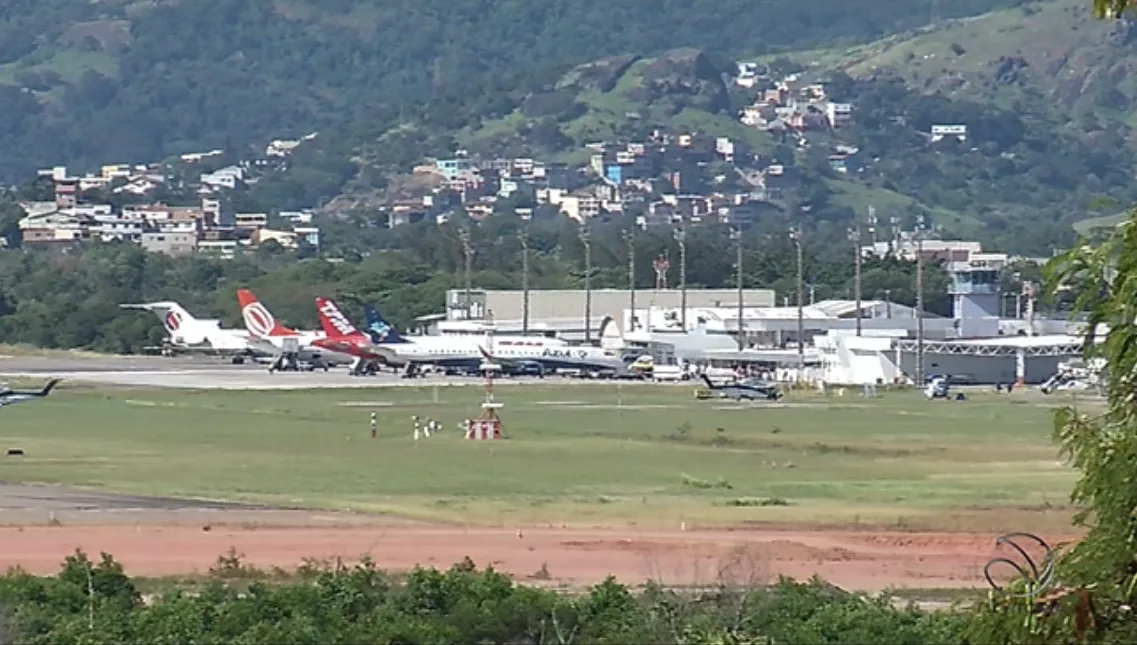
[749, 389]
[8, 396]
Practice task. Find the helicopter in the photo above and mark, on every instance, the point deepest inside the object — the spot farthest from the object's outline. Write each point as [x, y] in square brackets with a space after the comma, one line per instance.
[8, 396]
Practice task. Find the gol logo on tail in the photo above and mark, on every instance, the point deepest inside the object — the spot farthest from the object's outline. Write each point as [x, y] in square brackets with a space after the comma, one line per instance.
[258, 319]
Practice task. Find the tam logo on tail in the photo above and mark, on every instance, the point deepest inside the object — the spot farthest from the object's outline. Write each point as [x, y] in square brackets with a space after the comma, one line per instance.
[334, 322]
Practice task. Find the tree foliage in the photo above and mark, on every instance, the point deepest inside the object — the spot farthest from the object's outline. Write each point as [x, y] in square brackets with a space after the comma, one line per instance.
[1111, 8]
[97, 603]
[1096, 586]
[1098, 575]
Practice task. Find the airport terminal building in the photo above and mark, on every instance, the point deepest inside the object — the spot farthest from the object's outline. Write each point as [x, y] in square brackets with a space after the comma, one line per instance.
[561, 312]
[974, 341]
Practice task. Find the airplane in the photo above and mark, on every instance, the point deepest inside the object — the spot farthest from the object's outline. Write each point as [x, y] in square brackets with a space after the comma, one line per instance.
[190, 334]
[8, 396]
[749, 389]
[513, 354]
[341, 336]
[289, 346]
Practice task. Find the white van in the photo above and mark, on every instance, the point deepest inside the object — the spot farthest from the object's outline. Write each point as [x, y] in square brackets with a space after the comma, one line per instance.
[661, 373]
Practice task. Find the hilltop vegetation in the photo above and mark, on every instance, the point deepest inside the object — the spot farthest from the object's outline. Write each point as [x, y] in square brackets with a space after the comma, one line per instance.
[91, 83]
[1050, 52]
[1046, 93]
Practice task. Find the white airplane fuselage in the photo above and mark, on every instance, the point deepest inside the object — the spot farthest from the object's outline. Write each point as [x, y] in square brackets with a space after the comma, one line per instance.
[209, 335]
[469, 351]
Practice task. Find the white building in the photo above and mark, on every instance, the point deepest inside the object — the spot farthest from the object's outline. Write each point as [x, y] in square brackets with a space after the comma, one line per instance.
[226, 178]
[570, 303]
[883, 358]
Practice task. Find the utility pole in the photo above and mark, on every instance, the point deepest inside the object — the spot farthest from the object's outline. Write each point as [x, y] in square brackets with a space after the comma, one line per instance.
[795, 235]
[855, 236]
[920, 301]
[585, 239]
[888, 303]
[523, 236]
[681, 237]
[630, 240]
[736, 235]
[468, 252]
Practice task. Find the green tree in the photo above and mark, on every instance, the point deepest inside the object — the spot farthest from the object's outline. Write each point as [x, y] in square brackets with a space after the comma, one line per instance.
[1111, 8]
[1098, 575]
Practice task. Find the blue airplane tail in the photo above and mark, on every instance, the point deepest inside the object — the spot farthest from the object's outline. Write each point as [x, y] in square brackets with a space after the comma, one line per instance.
[378, 329]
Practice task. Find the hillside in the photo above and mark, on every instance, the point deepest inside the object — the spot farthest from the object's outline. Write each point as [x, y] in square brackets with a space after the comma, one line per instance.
[1021, 179]
[619, 96]
[1044, 91]
[1051, 51]
[119, 80]
[682, 90]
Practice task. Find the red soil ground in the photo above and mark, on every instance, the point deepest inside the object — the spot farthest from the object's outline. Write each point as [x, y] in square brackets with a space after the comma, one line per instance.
[869, 561]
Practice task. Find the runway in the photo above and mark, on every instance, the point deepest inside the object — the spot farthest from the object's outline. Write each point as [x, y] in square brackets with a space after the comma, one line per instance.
[20, 497]
[215, 374]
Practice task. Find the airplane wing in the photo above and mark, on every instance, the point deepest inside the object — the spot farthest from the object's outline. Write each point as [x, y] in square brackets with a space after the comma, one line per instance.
[393, 356]
[344, 347]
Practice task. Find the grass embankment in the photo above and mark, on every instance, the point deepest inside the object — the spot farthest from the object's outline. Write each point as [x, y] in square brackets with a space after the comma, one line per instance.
[642, 455]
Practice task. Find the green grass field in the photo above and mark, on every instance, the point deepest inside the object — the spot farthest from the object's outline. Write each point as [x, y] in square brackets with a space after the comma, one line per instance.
[584, 454]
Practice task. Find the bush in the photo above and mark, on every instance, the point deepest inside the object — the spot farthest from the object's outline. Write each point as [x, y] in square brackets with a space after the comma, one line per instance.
[354, 604]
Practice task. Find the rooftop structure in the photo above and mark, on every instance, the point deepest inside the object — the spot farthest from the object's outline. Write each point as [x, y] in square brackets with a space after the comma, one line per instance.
[569, 303]
[974, 289]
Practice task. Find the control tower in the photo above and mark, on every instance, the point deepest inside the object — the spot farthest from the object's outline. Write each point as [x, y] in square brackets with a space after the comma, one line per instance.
[974, 290]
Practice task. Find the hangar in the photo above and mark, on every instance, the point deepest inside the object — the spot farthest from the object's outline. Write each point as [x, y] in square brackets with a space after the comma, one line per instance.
[561, 311]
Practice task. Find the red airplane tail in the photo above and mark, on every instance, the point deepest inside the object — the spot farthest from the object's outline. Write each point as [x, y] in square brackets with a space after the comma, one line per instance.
[258, 319]
[334, 322]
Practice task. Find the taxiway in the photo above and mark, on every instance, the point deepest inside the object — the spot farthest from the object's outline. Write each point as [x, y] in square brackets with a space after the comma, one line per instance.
[216, 374]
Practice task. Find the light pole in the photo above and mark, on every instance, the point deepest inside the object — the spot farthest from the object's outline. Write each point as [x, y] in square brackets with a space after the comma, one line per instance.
[468, 252]
[920, 301]
[681, 237]
[523, 236]
[855, 236]
[585, 239]
[795, 235]
[736, 235]
[888, 303]
[630, 240]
